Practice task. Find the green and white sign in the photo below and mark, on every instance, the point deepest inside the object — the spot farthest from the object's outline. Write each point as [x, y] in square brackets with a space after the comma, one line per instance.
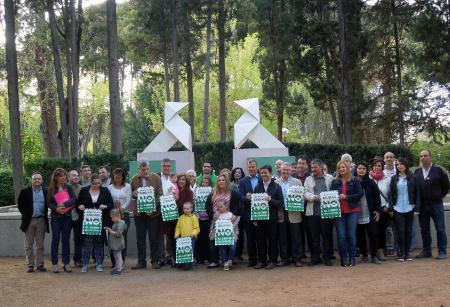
[330, 207]
[92, 222]
[224, 233]
[184, 252]
[146, 200]
[259, 208]
[169, 208]
[294, 199]
[201, 194]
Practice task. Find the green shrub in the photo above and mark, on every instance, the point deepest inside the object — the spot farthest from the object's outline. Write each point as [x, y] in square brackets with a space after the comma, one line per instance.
[6, 187]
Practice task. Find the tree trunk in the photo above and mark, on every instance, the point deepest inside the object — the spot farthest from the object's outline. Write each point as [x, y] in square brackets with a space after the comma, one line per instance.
[207, 73]
[398, 65]
[75, 29]
[166, 72]
[49, 128]
[346, 107]
[64, 145]
[176, 82]
[222, 76]
[189, 75]
[69, 98]
[113, 73]
[13, 96]
[98, 133]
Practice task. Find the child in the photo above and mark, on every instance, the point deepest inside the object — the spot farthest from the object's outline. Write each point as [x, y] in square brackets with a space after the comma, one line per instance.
[187, 226]
[116, 241]
[226, 252]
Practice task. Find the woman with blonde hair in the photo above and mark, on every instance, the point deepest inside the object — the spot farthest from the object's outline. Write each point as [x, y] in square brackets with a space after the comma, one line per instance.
[350, 192]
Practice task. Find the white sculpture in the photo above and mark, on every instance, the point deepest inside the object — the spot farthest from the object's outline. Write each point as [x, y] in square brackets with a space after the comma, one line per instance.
[248, 127]
[175, 129]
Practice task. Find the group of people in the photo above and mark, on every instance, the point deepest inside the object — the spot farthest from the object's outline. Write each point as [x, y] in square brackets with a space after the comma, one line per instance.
[378, 202]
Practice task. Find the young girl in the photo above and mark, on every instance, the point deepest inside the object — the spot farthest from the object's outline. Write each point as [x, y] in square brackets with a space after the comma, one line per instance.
[116, 240]
[226, 251]
[187, 226]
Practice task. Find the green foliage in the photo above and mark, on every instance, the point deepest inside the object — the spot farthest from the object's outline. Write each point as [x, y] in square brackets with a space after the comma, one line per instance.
[440, 152]
[6, 187]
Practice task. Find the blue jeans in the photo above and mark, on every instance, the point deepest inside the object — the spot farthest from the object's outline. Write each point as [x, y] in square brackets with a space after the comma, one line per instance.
[346, 234]
[227, 252]
[436, 212]
[95, 244]
[61, 227]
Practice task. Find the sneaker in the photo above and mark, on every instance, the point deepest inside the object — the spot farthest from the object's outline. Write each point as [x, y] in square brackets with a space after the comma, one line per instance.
[41, 268]
[423, 255]
[270, 266]
[401, 259]
[67, 268]
[113, 271]
[408, 258]
[441, 256]
[375, 260]
[227, 265]
[298, 263]
[116, 272]
[99, 268]
[84, 269]
[55, 268]
[212, 265]
[30, 269]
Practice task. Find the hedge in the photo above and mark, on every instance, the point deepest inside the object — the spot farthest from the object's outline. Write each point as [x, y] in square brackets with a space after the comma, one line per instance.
[220, 154]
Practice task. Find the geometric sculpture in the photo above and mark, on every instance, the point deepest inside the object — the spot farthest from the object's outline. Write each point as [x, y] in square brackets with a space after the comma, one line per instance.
[248, 127]
[175, 129]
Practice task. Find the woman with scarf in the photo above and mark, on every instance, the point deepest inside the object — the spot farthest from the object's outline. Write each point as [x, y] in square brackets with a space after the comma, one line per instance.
[383, 183]
[221, 194]
[369, 215]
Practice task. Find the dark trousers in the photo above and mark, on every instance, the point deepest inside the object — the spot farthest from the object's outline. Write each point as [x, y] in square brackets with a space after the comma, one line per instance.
[240, 242]
[283, 241]
[303, 235]
[61, 226]
[369, 230]
[250, 232]
[382, 224]
[151, 227]
[436, 212]
[202, 246]
[403, 223]
[214, 251]
[320, 237]
[296, 241]
[266, 238]
[77, 240]
[94, 244]
[126, 219]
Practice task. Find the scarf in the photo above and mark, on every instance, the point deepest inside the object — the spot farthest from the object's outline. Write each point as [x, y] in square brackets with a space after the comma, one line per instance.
[376, 176]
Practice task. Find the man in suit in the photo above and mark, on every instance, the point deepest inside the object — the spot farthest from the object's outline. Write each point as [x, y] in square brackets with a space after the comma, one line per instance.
[433, 186]
[247, 186]
[33, 207]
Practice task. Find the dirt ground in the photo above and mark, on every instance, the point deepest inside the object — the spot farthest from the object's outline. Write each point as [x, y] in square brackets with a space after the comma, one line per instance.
[422, 282]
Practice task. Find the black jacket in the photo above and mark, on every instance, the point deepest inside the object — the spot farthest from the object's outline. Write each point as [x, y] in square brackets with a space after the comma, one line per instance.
[25, 204]
[51, 202]
[245, 186]
[373, 197]
[235, 199]
[413, 192]
[276, 193]
[433, 188]
[104, 198]
[354, 191]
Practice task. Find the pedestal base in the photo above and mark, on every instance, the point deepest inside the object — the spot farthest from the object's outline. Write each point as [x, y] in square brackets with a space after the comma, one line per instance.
[241, 156]
[184, 159]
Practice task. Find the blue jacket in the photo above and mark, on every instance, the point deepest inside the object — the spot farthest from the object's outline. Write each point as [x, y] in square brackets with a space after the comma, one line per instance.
[245, 186]
[354, 191]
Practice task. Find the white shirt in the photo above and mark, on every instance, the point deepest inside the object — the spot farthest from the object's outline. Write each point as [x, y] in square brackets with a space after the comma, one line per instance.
[425, 171]
[390, 172]
[123, 195]
[166, 184]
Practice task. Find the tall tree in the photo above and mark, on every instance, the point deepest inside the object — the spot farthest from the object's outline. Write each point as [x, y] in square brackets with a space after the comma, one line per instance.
[64, 132]
[222, 77]
[174, 26]
[188, 62]
[13, 95]
[207, 71]
[113, 73]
